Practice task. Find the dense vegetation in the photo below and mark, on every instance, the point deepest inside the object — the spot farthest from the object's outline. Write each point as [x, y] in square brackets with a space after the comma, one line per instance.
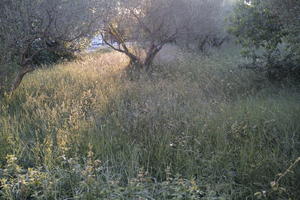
[269, 32]
[166, 110]
[199, 128]
[38, 32]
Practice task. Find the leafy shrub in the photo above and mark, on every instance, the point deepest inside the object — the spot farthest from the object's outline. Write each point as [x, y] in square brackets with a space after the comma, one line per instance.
[269, 32]
[91, 180]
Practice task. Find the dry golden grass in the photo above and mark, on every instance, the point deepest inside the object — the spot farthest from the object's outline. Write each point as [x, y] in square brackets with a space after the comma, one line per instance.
[196, 116]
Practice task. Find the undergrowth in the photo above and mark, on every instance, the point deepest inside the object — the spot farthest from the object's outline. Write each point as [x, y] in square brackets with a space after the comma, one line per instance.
[196, 128]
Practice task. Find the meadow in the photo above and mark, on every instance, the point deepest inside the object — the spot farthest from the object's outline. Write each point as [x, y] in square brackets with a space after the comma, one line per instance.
[197, 127]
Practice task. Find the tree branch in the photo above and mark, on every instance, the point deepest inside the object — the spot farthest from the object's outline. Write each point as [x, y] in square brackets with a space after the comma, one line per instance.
[110, 45]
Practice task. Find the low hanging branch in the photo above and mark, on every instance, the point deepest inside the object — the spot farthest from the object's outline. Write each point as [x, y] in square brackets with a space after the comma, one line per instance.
[113, 32]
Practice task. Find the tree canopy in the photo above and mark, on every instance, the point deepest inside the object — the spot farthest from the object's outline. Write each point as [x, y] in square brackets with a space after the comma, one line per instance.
[34, 32]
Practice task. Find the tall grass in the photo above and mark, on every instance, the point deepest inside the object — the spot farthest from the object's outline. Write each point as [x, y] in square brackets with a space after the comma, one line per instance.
[197, 127]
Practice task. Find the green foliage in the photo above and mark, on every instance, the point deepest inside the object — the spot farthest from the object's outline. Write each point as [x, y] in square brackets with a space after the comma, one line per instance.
[198, 128]
[269, 39]
[92, 180]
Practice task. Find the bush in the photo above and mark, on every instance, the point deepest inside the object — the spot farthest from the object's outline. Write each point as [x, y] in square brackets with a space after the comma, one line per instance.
[269, 32]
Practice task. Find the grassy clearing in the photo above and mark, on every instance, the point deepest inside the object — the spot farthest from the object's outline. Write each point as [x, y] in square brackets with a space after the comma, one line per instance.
[197, 128]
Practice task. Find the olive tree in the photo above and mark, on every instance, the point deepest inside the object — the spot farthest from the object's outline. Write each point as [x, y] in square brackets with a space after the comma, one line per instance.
[205, 24]
[145, 25]
[31, 29]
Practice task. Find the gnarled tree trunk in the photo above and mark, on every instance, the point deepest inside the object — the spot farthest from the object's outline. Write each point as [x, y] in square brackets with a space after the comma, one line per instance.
[153, 51]
[22, 72]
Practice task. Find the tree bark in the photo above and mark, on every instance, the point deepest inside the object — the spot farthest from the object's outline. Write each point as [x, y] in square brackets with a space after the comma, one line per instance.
[24, 70]
[201, 44]
[151, 55]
